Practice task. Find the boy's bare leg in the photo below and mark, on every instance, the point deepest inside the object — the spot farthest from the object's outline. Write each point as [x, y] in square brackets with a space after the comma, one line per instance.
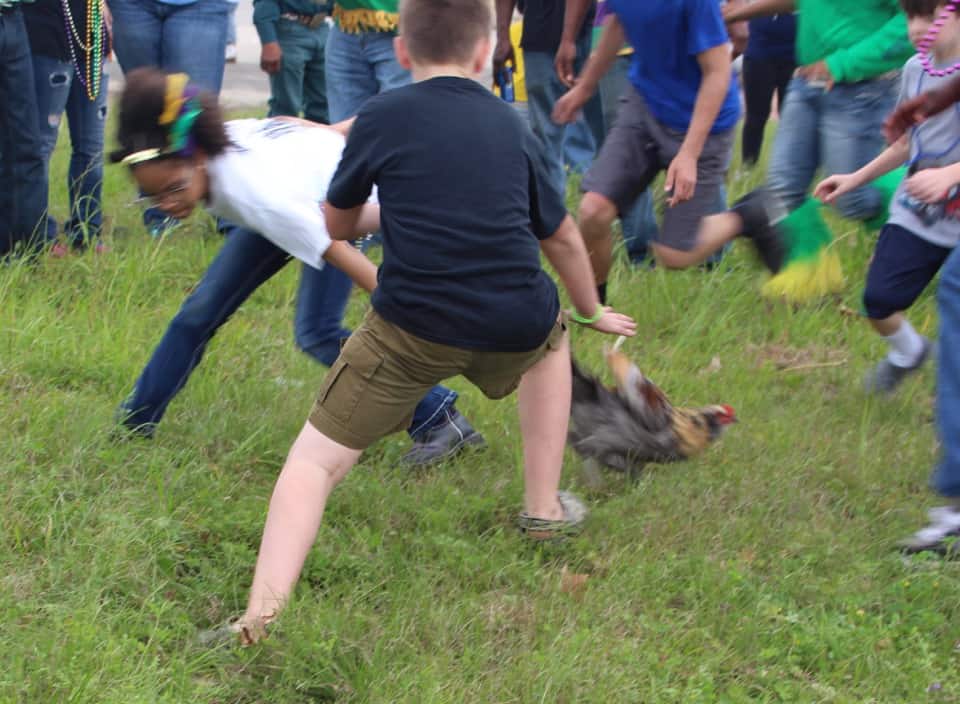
[597, 214]
[315, 465]
[887, 326]
[596, 217]
[543, 400]
[715, 232]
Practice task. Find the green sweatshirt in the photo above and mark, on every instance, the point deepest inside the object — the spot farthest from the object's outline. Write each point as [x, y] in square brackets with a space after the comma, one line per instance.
[859, 39]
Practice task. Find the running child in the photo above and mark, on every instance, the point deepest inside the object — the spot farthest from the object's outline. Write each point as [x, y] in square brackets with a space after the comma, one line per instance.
[924, 222]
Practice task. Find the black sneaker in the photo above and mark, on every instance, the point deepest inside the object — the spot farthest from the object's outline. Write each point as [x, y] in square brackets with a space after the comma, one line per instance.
[884, 378]
[443, 441]
[760, 212]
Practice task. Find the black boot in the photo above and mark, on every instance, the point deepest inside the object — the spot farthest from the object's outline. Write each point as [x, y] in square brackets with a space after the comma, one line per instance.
[760, 212]
[443, 440]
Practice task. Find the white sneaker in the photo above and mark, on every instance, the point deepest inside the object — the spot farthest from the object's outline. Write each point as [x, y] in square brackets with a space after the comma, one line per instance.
[944, 525]
[231, 54]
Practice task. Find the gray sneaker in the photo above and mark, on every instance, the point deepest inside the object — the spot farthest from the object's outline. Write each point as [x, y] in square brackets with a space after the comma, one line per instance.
[884, 378]
[574, 514]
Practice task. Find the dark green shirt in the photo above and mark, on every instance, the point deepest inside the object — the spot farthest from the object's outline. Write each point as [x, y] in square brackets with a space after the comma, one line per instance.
[266, 14]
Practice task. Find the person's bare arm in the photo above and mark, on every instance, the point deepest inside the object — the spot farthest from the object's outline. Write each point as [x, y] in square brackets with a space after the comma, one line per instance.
[353, 263]
[503, 51]
[342, 127]
[573, 16]
[351, 223]
[599, 63]
[760, 8]
[916, 110]
[567, 253]
[681, 178]
[832, 187]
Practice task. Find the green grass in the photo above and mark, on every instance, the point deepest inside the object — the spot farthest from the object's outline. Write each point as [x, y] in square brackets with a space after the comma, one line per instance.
[762, 572]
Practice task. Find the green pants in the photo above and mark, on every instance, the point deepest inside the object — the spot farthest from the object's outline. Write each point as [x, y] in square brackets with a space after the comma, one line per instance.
[300, 87]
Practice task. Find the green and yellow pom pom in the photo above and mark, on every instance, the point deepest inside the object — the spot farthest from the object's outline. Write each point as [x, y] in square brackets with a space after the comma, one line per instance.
[813, 268]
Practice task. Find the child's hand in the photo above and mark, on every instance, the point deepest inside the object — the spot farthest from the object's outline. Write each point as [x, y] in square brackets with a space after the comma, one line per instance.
[931, 185]
[613, 323]
[831, 188]
[681, 181]
[569, 105]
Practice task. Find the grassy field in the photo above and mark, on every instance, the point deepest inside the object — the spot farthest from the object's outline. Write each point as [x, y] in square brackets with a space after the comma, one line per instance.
[763, 572]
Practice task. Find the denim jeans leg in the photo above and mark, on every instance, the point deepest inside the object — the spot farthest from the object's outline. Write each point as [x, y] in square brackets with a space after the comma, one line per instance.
[378, 49]
[852, 135]
[245, 262]
[583, 138]
[138, 33]
[87, 120]
[195, 41]
[23, 181]
[796, 147]
[137, 41]
[543, 91]
[315, 105]
[321, 304]
[53, 79]
[946, 477]
[350, 80]
[286, 85]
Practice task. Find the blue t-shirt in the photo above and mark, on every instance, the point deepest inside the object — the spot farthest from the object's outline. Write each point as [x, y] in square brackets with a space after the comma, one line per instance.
[667, 36]
[465, 196]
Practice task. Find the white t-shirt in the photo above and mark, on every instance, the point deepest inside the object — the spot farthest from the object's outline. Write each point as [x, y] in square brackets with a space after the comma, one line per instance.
[273, 181]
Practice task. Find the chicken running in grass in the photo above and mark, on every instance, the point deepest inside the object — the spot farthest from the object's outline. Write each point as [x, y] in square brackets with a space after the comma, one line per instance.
[634, 423]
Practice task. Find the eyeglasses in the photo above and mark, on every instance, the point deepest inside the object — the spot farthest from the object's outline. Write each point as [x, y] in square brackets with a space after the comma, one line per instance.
[172, 194]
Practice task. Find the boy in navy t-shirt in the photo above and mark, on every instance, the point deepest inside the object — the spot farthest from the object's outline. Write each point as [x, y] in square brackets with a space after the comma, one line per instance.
[467, 206]
[679, 117]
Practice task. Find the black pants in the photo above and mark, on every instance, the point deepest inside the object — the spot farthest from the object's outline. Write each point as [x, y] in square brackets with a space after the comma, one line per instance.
[761, 77]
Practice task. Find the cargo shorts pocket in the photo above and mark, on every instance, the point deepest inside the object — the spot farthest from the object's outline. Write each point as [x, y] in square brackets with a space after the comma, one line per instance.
[348, 381]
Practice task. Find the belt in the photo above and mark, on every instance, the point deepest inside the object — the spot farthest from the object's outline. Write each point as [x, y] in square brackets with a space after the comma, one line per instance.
[311, 21]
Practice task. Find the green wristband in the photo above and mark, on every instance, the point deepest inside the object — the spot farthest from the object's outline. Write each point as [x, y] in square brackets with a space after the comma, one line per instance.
[577, 318]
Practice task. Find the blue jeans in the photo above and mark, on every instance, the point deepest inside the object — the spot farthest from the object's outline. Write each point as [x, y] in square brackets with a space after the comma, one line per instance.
[574, 144]
[59, 90]
[946, 477]
[360, 66]
[245, 262]
[639, 223]
[838, 130]
[299, 87]
[189, 39]
[23, 182]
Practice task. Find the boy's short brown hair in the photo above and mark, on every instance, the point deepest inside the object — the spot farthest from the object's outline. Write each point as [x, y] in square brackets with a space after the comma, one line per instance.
[444, 31]
[921, 8]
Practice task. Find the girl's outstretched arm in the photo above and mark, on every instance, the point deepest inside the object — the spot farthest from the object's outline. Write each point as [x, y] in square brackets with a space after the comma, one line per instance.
[352, 262]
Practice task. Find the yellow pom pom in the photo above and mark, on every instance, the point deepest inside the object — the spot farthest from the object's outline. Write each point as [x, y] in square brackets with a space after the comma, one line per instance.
[805, 281]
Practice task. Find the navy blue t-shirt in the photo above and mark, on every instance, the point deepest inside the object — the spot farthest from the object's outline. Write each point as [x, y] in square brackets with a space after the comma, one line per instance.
[465, 197]
[772, 37]
[667, 36]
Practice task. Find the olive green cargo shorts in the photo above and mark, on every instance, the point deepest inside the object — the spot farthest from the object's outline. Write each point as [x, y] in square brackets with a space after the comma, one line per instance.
[383, 372]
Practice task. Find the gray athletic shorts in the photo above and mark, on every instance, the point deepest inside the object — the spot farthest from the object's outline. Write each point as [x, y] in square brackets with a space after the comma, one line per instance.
[636, 149]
